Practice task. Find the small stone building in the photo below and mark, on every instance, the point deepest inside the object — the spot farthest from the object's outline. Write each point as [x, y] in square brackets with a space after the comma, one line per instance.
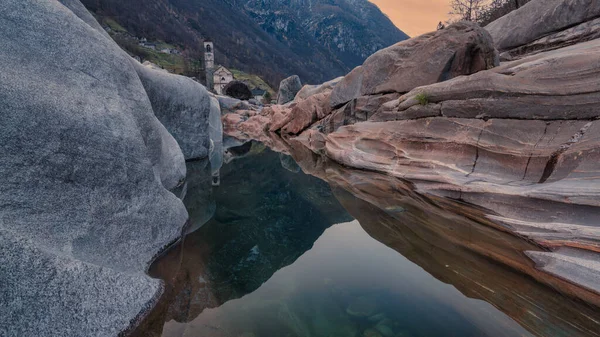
[222, 76]
[258, 94]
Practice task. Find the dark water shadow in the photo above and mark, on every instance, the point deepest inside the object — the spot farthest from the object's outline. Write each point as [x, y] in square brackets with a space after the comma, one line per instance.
[263, 216]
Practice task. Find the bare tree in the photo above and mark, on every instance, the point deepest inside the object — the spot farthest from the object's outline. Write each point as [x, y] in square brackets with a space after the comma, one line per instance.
[468, 10]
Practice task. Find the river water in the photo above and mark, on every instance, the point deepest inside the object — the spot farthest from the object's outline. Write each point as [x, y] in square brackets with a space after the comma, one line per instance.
[275, 252]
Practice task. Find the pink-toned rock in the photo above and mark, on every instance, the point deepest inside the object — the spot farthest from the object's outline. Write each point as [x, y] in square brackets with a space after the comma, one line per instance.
[306, 112]
[309, 90]
[280, 116]
[560, 84]
[540, 18]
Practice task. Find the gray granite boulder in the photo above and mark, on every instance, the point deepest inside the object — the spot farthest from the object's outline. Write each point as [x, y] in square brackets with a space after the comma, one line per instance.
[182, 106]
[85, 176]
[310, 90]
[80, 11]
[461, 49]
[540, 18]
[288, 88]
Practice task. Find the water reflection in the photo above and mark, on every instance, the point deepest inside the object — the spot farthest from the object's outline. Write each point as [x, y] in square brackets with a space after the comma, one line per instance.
[261, 218]
[268, 214]
[347, 285]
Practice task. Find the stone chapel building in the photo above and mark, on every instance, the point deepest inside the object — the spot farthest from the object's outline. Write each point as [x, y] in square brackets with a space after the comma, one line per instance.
[221, 77]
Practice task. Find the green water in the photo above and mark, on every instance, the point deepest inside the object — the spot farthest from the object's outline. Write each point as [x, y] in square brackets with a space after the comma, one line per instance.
[274, 252]
[346, 284]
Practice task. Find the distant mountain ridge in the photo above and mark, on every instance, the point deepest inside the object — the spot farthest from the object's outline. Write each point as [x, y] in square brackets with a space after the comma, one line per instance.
[315, 39]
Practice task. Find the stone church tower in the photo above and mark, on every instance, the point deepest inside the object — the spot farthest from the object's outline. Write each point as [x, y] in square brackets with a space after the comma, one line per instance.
[209, 63]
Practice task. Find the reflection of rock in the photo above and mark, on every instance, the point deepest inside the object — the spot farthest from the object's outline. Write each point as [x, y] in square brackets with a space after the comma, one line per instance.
[459, 252]
[252, 209]
[289, 163]
[459, 245]
[199, 199]
[252, 235]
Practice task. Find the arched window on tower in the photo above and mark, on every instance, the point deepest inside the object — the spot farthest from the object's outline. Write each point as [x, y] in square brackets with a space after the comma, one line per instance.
[223, 79]
[208, 48]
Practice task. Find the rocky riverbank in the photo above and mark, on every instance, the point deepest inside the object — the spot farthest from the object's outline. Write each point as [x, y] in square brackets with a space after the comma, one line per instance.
[518, 138]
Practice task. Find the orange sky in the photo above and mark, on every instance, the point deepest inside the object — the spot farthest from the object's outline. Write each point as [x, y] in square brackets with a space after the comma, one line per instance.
[415, 17]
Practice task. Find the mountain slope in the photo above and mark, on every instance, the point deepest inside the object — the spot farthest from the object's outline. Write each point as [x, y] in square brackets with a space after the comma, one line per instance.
[316, 39]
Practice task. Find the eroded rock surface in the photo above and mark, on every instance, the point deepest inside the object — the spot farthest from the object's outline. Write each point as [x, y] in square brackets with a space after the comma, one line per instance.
[309, 90]
[461, 49]
[86, 174]
[544, 25]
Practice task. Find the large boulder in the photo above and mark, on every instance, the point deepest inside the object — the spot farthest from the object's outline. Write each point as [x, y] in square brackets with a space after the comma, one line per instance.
[461, 49]
[237, 89]
[85, 176]
[288, 88]
[540, 18]
[530, 88]
[182, 106]
[310, 90]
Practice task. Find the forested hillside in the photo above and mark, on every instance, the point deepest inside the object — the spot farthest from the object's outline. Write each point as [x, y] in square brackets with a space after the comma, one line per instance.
[315, 39]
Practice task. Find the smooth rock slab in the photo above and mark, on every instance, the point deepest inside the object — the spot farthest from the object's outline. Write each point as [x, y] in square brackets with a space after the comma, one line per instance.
[182, 106]
[461, 49]
[539, 18]
[556, 85]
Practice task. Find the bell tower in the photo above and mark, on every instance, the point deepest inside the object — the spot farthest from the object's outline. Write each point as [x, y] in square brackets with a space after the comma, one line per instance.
[209, 64]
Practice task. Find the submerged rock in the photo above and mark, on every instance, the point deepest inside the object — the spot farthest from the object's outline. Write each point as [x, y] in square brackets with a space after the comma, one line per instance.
[384, 328]
[371, 333]
[363, 306]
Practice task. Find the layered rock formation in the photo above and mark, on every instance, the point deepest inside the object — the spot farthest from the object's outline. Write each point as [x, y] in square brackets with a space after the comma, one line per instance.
[546, 25]
[87, 169]
[519, 139]
[458, 244]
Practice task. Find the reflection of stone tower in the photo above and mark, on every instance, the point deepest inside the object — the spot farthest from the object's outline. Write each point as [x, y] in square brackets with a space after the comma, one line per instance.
[209, 63]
